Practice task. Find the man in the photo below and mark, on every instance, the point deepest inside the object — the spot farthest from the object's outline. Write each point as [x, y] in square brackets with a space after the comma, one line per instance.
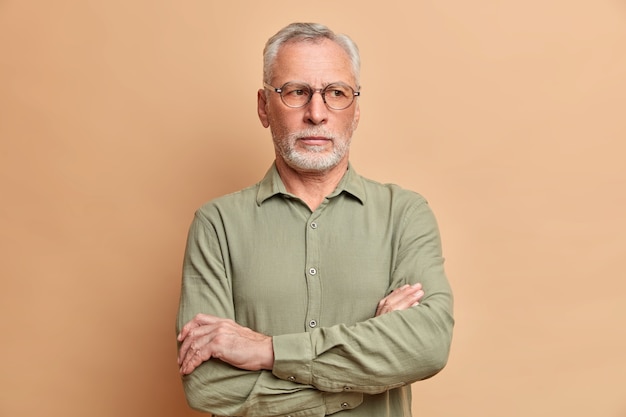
[315, 291]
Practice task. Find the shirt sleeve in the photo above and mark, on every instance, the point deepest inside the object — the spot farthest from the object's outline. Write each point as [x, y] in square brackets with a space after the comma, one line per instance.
[391, 350]
[215, 386]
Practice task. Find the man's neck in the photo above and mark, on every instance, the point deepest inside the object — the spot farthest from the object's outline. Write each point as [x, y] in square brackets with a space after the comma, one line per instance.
[311, 186]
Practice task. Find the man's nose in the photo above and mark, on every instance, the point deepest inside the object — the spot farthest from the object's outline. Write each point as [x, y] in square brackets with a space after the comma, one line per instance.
[316, 110]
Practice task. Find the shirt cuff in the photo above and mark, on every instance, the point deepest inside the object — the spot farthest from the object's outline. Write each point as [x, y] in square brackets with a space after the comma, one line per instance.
[293, 356]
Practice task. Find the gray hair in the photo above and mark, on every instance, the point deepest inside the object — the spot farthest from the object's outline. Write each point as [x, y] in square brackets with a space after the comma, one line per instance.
[308, 32]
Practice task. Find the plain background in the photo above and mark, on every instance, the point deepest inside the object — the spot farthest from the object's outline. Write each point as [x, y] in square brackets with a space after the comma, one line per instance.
[119, 118]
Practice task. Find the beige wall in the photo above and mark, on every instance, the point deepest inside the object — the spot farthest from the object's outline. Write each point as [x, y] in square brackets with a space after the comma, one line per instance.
[119, 118]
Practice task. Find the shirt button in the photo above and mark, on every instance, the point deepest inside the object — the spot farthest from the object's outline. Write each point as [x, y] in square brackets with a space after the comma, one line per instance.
[345, 405]
[292, 378]
[312, 271]
[312, 323]
[313, 225]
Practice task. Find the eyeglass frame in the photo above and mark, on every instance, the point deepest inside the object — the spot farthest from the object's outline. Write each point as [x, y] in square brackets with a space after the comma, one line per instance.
[322, 92]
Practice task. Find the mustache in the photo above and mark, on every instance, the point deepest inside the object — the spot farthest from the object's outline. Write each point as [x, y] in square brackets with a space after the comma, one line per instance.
[312, 132]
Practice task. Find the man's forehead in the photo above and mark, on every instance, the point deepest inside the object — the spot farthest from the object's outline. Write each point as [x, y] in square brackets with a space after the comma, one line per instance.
[315, 58]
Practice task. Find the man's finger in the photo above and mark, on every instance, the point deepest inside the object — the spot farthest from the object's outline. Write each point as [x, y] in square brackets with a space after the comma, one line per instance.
[198, 321]
[400, 299]
[196, 336]
[198, 350]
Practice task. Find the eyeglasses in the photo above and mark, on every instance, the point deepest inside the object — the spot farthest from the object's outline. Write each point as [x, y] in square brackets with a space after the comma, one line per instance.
[336, 96]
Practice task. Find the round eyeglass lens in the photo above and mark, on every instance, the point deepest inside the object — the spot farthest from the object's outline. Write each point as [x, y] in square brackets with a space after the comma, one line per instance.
[295, 95]
[338, 96]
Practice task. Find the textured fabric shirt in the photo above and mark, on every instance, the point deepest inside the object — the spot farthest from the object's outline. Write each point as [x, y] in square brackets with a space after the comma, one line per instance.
[312, 280]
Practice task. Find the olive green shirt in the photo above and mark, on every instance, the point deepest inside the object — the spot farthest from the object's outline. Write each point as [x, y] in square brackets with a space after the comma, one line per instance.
[312, 280]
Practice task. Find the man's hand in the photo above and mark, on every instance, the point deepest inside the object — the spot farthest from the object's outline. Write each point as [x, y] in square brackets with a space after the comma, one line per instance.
[400, 299]
[207, 337]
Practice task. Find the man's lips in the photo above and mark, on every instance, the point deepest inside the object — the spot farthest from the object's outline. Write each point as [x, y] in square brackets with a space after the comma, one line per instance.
[314, 140]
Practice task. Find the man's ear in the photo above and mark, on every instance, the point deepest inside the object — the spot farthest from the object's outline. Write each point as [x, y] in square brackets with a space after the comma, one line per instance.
[262, 108]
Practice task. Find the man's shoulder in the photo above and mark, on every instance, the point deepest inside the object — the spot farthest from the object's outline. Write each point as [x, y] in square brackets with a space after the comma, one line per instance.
[234, 201]
[391, 191]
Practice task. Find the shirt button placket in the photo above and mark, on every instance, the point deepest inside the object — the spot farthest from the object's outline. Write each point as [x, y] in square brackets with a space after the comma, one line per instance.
[314, 289]
[312, 322]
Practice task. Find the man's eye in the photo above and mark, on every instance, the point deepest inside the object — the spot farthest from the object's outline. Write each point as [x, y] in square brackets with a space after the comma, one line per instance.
[296, 92]
[338, 93]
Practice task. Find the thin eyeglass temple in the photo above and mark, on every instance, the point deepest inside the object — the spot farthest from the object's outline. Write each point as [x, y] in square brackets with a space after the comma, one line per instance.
[271, 87]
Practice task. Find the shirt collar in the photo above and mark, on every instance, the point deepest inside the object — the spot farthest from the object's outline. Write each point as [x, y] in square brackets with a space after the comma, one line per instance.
[272, 184]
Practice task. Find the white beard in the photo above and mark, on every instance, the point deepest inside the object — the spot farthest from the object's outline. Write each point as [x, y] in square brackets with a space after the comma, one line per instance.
[311, 159]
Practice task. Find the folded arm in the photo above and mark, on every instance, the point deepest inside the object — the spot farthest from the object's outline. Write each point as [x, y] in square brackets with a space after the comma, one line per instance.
[207, 336]
[311, 373]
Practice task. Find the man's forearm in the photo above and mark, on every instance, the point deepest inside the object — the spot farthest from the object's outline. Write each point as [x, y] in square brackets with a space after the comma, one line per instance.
[398, 348]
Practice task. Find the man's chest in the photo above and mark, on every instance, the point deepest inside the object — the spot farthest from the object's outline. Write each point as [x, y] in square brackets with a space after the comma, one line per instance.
[309, 273]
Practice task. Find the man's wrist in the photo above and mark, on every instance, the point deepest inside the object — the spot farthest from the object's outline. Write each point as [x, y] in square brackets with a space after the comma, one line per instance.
[267, 357]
